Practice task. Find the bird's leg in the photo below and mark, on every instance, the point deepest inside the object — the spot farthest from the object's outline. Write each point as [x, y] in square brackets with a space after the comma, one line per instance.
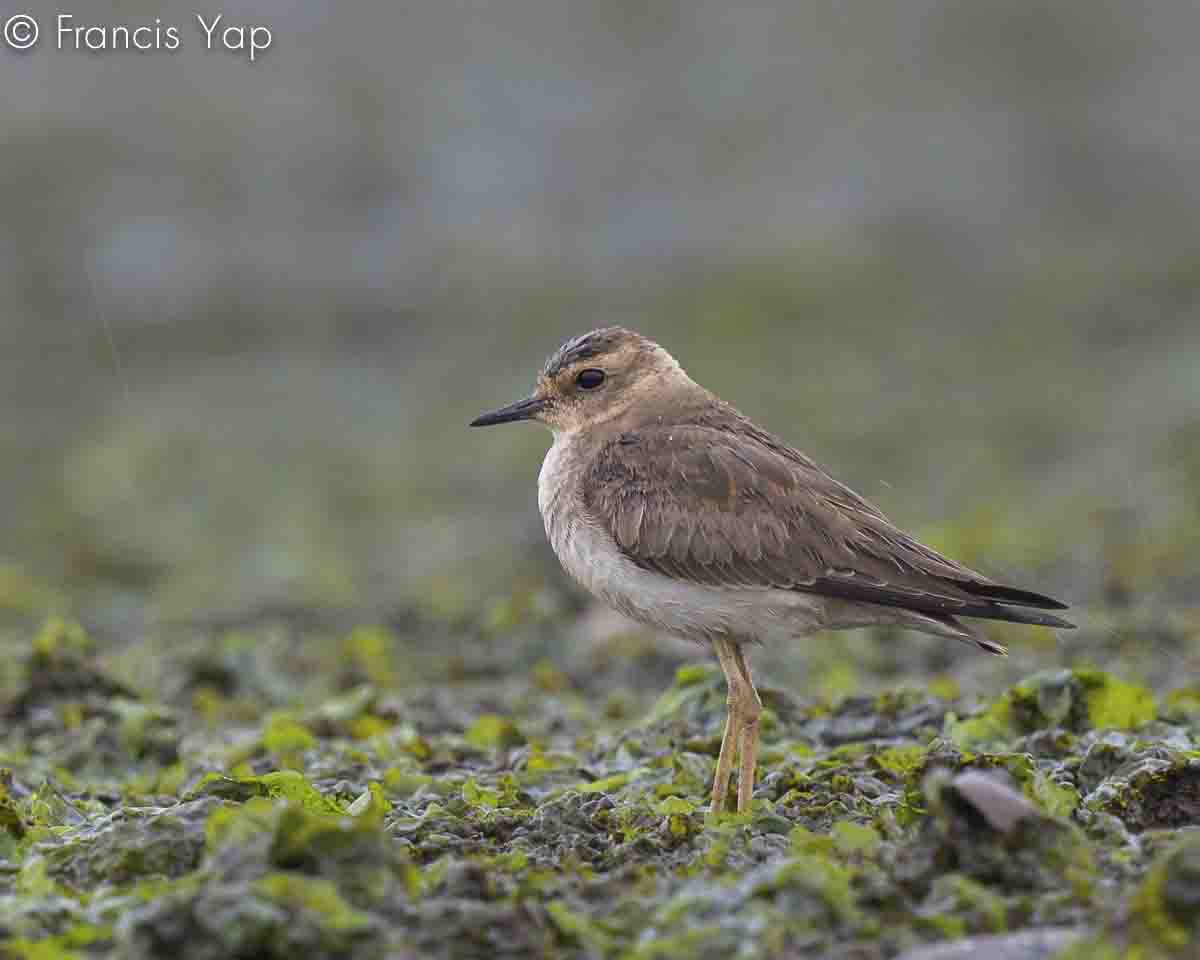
[725, 759]
[748, 712]
[726, 655]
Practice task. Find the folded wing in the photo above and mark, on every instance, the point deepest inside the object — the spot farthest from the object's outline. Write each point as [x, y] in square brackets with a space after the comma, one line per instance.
[743, 510]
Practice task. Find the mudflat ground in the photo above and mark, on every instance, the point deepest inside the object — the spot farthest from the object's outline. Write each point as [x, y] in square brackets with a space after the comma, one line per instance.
[286, 667]
[533, 782]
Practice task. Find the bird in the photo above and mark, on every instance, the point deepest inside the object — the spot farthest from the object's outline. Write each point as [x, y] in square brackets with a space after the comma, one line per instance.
[671, 506]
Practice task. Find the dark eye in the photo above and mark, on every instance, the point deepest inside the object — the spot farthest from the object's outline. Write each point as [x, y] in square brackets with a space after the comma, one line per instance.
[590, 379]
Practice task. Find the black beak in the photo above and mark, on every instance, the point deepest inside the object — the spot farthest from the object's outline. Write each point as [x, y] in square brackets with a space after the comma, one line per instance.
[525, 409]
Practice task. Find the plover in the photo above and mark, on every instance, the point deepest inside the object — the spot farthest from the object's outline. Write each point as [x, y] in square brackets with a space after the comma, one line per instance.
[670, 505]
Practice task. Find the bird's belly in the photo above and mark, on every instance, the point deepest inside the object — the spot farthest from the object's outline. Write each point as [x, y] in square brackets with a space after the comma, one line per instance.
[689, 610]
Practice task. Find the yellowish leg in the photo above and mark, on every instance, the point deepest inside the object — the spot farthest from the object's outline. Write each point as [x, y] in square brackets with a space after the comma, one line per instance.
[725, 760]
[748, 712]
[726, 654]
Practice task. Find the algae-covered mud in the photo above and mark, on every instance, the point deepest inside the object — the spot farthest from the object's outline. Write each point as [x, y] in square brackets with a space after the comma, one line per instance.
[532, 781]
[287, 667]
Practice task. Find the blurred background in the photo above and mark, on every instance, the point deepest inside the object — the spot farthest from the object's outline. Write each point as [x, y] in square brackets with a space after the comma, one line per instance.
[247, 308]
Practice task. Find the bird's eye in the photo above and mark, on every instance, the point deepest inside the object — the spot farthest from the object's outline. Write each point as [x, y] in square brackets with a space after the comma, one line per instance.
[590, 379]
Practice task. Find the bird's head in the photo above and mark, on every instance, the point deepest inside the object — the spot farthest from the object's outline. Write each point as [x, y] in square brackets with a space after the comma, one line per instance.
[594, 378]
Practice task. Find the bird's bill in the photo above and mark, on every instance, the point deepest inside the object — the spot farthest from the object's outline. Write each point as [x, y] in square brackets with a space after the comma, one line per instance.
[525, 409]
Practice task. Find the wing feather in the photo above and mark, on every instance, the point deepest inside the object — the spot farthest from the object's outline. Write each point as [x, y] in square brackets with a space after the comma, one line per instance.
[740, 508]
[629, 523]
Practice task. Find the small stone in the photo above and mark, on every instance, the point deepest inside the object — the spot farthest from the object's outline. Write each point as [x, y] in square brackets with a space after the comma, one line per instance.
[1000, 805]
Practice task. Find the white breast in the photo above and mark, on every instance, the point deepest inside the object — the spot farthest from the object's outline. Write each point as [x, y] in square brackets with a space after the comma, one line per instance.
[590, 555]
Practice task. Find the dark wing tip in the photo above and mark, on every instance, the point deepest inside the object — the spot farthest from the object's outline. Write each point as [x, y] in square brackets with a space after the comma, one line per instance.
[1045, 620]
[1006, 603]
[1013, 595]
[986, 610]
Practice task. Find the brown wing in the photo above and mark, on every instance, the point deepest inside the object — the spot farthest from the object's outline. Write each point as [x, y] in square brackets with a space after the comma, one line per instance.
[704, 505]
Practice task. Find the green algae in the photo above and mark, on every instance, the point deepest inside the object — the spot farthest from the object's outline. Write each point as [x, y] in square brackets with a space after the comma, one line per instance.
[286, 739]
[693, 683]
[1160, 917]
[1056, 799]
[1115, 704]
[505, 794]
[11, 818]
[491, 731]
[314, 896]
[855, 839]
[1169, 921]
[905, 762]
[71, 945]
[280, 784]
[59, 638]
[354, 814]
[1077, 700]
[606, 784]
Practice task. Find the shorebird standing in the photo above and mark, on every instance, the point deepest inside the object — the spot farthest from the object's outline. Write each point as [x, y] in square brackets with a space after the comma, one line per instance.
[666, 502]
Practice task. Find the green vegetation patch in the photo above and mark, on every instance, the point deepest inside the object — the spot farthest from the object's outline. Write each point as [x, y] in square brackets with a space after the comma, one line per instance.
[1070, 700]
[555, 801]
